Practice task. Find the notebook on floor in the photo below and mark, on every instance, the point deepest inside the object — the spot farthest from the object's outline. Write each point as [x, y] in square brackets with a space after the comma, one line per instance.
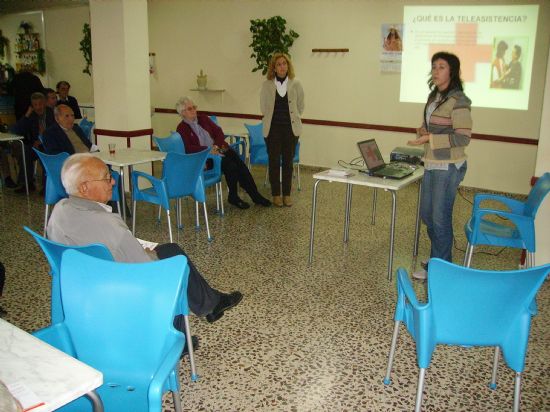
[376, 165]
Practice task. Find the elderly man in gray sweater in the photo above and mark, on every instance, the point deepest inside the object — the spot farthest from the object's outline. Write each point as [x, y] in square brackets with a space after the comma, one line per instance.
[85, 218]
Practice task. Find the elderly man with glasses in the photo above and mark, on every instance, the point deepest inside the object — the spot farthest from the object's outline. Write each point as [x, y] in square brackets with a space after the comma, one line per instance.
[85, 218]
[199, 132]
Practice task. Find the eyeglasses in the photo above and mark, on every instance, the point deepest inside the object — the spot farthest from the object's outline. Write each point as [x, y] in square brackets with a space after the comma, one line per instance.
[107, 179]
[190, 108]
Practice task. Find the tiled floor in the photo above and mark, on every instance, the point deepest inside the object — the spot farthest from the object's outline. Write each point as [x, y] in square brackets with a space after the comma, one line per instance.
[304, 338]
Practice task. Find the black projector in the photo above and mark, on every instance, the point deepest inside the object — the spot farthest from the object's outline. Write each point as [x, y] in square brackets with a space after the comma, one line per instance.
[412, 155]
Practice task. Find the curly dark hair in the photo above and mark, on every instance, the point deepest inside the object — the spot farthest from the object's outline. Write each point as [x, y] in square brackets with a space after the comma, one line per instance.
[454, 66]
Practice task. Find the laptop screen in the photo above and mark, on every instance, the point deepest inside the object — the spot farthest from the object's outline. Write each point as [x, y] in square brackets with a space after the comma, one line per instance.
[370, 152]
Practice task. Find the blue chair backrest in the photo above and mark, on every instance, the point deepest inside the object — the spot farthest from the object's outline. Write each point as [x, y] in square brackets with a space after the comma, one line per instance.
[172, 143]
[255, 133]
[214, 119]
[53, 164]
[119, 315]
[53, 252]
[480, 307]
[86, 127]
[537, 195]
[183, 174]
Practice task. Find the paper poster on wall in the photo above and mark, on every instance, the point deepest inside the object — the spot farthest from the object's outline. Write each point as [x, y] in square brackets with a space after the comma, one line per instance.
[391, 47]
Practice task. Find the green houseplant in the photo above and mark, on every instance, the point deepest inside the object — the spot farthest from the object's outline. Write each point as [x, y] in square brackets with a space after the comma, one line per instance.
[86, 48]
[269, 36]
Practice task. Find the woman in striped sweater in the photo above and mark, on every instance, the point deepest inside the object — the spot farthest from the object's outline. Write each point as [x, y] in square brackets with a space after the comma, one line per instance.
[445, 132]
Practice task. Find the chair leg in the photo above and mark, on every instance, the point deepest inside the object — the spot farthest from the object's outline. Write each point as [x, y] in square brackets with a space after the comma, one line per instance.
[169, 225]
[420, 390]
[46, 219]
[177, 400]
[298, 174]
[134, 218]
[517, 391]
[178, 202]
[529, 259]
[160, 210]
[197, 224]
[493, 384]
[217, 198]
[221, 198]
[194, 375]
[468, 255]
[266, 175]
[119, 210]
[387, 379]
[209, 237]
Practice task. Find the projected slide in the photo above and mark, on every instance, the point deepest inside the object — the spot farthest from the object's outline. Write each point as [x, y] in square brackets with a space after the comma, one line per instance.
[495, 45]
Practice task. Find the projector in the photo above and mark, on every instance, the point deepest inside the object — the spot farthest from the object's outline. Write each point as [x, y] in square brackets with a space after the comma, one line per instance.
[412, 155]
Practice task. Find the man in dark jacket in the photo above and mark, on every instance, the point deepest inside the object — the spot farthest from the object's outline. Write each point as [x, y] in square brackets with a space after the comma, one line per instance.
[35, 121]
[64, 135]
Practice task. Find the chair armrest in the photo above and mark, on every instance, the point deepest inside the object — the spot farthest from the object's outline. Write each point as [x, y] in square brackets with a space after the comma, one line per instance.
[404, 288]
[216, 163]
[524, 224]
[58, 336]
[239, 147]
[514, 205]
[160, 196]
[167, 365]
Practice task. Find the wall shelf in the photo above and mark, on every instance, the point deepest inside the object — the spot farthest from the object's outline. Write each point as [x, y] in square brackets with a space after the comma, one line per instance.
[208, 90]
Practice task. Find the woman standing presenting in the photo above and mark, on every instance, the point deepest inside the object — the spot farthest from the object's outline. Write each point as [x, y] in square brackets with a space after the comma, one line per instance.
[282, 104]
[445, 132]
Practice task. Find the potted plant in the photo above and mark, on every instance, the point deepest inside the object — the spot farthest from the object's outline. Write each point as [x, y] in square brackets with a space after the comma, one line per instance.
[269, 36]
[86, 48]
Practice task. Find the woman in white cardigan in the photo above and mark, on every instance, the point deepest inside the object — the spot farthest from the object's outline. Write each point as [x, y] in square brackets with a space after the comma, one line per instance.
[282, 104]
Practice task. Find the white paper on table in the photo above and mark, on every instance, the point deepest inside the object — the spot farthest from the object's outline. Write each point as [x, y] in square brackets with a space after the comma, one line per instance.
[24, 395]
[146, 244]
[339, 173]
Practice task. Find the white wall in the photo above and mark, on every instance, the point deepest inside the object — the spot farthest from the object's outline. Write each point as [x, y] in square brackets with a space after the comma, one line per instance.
[214, 36]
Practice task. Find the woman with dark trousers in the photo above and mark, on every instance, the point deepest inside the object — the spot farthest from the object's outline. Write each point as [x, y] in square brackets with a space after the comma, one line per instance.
[282, 104]
[445, 132]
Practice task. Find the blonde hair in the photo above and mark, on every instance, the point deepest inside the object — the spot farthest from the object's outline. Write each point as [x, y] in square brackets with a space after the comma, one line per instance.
[271, 67]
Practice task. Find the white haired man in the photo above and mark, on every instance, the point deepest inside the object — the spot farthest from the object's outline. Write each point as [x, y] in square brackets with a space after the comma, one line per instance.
[84, 218]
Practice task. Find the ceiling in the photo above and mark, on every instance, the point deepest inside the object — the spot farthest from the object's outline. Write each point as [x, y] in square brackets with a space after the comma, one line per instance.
[17, 6]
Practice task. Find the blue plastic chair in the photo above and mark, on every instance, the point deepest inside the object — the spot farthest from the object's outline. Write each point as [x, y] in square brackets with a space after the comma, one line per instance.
[258, 152]
[480, 231]
[468, 307]
[53, 252]
[212, 177]
[86, 127]
[129, 336]
[54, 191]
[214, 118]
[181, 176]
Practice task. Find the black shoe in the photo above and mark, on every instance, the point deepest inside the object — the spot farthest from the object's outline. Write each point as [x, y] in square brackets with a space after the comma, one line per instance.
[22, 189]
[241, 204]
[195, 342]
[3, 312]
[260, 200]
[10, 184]
[227, 301]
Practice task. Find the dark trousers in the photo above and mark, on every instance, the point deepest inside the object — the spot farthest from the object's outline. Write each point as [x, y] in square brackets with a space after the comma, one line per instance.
[202, 298]
[2, 277]
[30, 157]
[235, 171]
[281, 143]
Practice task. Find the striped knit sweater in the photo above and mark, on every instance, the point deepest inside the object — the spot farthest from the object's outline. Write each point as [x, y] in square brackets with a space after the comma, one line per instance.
[450, 129]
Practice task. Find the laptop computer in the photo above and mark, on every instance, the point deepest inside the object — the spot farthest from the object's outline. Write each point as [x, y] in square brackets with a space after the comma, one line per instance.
[376, 165]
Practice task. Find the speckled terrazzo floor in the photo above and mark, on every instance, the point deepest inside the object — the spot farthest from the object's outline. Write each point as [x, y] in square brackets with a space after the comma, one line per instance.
[304, 338]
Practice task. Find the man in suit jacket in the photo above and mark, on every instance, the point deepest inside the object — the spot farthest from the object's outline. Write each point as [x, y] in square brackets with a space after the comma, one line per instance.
[64, 135]
[35, 121]
[63, 97]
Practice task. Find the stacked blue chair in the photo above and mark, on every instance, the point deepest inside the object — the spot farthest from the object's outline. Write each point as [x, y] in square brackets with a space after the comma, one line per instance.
[468, 307]
[480, 231]
[86, 127]
[54, 191]
[173, 186]
[258, 152]
[129, 337]
[212, 177]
